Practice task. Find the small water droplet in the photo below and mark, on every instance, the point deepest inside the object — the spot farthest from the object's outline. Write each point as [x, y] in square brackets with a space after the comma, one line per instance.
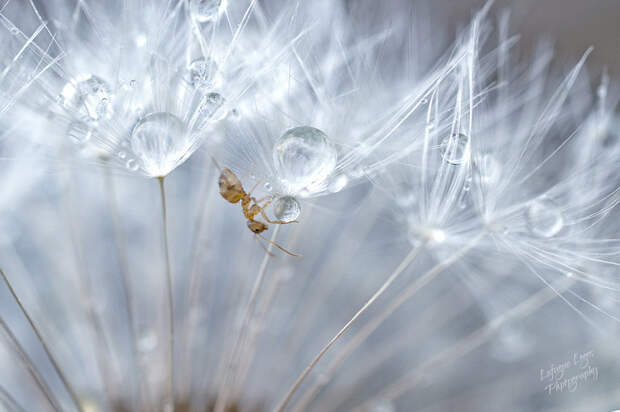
[87, 97]
[212, 107]
[489, 169]
[304, 157]
[79, 132]
[455, 149]
[268, 187]
[204, 74]
[544, 218]
[132, 165]
[205, 10]
[286, 208]
[337, 183]
[122, 155]
[14, 31]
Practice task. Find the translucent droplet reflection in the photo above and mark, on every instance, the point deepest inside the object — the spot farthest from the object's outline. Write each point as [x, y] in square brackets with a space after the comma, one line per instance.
[544, 218]
[205, 10]
[455, 149]
[89, 97]
[304, 157]
[160, 143]
[204, 74]
[286, 209]
[132, 165]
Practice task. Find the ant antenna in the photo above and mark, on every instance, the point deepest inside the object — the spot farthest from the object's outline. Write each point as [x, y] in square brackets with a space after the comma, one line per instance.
[216, 163]
[278, 246]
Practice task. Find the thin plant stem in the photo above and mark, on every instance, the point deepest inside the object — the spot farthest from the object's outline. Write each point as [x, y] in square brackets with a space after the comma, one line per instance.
[473, 340]
[121, 251]
[222, 400]
[32, 369]
[51, 357]
[169, 290]
[400, 269]
[378, 320]
[7, 400]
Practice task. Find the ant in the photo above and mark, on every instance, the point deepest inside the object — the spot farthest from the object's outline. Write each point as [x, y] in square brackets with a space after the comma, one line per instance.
[232, 190]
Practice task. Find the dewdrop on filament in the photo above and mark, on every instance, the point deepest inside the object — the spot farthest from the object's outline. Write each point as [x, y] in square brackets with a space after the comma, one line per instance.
[206, 10]
[304, 157]
[89, 97]
[286, 209]
[455, 149]
[160, 143]
[544, 218]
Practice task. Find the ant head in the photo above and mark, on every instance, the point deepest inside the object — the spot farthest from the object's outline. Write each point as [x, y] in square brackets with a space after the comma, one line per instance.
[230, 186]
[257, 227]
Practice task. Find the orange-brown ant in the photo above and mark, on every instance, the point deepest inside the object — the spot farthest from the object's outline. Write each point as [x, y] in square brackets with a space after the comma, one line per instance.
[232, 190]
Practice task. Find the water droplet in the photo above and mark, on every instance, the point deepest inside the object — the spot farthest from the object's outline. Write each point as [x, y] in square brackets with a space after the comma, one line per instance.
[304, 157]
[268, 187]
[122, 155]
[160, 143]
[14, 31]
[89, 97]
[337, 183]
[212, 108]
[489, 169]
[204, 74]
[205, 10]
[455, 149]
[286, 208]
[132, 165]
[544, 218]
[235, 114]
[79, 132]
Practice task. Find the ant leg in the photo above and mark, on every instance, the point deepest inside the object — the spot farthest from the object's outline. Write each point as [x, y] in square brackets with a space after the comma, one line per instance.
[264, 248]
[278, 246]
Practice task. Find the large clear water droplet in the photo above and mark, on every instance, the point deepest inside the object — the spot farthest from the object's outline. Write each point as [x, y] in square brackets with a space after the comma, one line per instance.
[286, 209]
[304, 157]
[160, 143]
[88, 97]
[204, 74]
[79, 132]
[544, 218]
[205, 10]
[455, 149]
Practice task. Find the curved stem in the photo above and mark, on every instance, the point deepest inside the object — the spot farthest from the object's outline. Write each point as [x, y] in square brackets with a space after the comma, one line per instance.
[229, 378]
[169, 290]
[400, 269]
[53, 361]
